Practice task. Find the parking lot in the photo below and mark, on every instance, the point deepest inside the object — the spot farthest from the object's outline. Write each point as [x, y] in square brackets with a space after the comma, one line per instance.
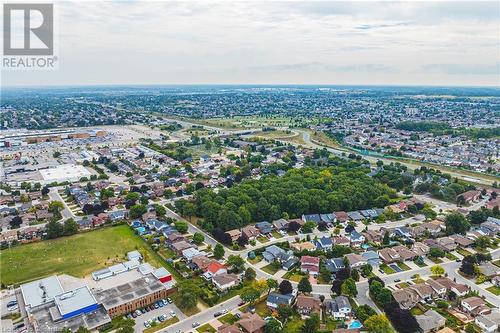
[139, 321]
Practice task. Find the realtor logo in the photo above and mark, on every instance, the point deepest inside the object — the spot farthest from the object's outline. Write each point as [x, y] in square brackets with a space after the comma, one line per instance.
[36, 22]
[28, 36]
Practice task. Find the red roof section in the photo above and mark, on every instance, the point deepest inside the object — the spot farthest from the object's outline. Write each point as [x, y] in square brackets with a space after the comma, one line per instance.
[215, 266]
[308, 260]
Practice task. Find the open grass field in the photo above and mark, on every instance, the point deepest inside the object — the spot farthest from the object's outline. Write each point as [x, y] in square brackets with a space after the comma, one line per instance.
[77, 255]
[272, 268]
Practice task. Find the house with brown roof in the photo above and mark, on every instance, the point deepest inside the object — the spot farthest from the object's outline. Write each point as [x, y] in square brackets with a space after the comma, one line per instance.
[438, 289]
[420, 248]
[470, 196]
[405, 253]
[250, 232]
[389, 255]
[407, 298]
[457, 288]
[355, 260]
[373, 236]
[341, 240]
[234, 234]
[225, 281]
[181, 246]
[462, 241]
[301, 246]
[251, 323]
[307, 305]
[475, 306]
[8, 236]
[228, 328]
[341, 217]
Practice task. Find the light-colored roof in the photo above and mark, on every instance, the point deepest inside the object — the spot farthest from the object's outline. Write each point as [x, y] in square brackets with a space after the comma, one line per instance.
[74, 300]
[41, 291]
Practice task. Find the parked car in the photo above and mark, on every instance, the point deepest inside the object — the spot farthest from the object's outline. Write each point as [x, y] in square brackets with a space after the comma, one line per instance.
[134, 315]
[195, 324]
[218, 313]
[241, 303]
[172, 313]
[397, 280]
[169, 300]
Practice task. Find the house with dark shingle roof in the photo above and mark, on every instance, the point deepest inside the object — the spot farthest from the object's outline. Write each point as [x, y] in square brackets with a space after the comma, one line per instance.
[323, 243]
[276, 299]
[264, 227]
[311, 218]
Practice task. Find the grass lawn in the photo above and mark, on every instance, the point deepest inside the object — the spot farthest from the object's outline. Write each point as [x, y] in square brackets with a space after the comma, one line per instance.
[293, 325]
[420, 264]
[494, 290]
[159, 326]
[276, 234]
[77, 255]
[403, 285]
[255, 260]
[206, 328]
[387, 270]
[435, 260]
[416, 311]
[497, 262]
[463, 252]
[262, 239]
[228, 319]
[272, 268]
[404, 266]
[450, 256]
[291, 233]
[293, 276]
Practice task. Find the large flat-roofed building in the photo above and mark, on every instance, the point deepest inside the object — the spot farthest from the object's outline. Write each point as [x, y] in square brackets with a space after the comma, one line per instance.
[132, 295]
[41, 292]
[73, 303]
[64, 172]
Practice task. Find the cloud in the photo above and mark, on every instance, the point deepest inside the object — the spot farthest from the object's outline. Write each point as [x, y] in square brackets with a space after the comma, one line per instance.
[463, 69]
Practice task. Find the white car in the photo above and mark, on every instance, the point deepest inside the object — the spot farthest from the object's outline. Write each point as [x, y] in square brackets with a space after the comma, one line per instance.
[172, 313]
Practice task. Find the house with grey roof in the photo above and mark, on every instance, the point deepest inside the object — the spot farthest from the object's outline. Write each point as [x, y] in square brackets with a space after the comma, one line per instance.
[276, 299]
[430, 321]
[339, 307]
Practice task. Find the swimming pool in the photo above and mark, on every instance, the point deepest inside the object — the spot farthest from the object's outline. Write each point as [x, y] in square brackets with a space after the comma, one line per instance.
[355, 324]
[141, 230]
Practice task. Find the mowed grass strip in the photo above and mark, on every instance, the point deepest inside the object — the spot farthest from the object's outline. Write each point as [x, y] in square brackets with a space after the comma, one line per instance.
[76, 255]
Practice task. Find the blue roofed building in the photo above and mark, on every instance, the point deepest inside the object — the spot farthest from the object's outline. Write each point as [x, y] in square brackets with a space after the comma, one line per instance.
[311, 218]
[372, 258]
[324, 243]
[355, 216]
[264, 227]
[276, 299]
[334, 265]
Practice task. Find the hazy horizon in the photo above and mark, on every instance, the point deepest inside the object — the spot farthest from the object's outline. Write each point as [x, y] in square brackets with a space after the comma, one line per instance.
[376, 43]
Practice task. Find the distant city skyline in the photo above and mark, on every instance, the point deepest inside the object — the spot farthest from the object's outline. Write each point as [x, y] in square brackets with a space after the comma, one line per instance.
[445, 43]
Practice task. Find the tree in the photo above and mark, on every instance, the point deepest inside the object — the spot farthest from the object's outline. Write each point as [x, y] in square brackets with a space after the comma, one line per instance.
[483, 242]
[55, 207]
[70, 227]
[45, 190]
[187, 294]
[366, 270]
[284, 312]
[311, 324]
[401, 320]
[160, 210]
[456, 224]
[378, 324]
[355, 275]
[467, 266]
[198, 238]
[54, 229]
[364, 311]
[305, 285]
[250, 274]
[272, 326]
[82, 329]
[272, 284]
[249, 294]
[16, 222]
[181, 226]
[437, 270]
[308, 227]
[348, 288]
[285, 287]
[236, 263]
[218, 251]
[386, 238]
[137, 211]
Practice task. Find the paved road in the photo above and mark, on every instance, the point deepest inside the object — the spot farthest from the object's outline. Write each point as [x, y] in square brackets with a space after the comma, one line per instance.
[55, 196]
[204, 316]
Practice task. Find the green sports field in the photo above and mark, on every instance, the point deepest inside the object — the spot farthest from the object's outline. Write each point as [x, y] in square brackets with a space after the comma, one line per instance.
[77, 255]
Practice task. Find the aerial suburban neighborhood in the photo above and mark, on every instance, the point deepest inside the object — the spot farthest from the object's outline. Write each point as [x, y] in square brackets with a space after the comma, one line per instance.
[250, 166]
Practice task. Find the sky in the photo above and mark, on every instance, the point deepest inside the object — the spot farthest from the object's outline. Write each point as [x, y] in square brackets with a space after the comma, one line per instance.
[248, 42]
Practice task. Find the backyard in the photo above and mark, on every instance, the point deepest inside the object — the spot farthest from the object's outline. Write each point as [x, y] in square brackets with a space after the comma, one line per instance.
[76, 255]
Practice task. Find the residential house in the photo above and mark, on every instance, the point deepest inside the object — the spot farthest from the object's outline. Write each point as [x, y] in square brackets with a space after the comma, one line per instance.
[488, 269]
[285, 258]
[491, 226]
[420, 249]
[250, 232]
[213, 269]
[355, 216]
[462, 241]
[355, 260]
[30, 234]
[488, 323]
[174, 237]
[265, 227]
[178, 247]
[338, 308]
[303, 246]
[475, 306]
[430, 321]
[228, 328]
[117, 215]
[341, 217]
[407, 298]
[324, 243]
[234, 234]
[438, 289]
[311, 218]
[251, 323]
[341, 240]
[329, 219]
[458, 289]
[309, 265]
[276, 299]
[373, 236]
[225, 281]
[371, 258]
[190, 253]
[334, 265]
[307, 305]
[280, 224]
[201, 262]
[356, 239]
[8, 236]
[389, 255]
[470, 196]
[424, 291]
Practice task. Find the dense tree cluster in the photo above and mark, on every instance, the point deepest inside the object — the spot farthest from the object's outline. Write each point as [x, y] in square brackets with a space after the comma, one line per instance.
[300, 191]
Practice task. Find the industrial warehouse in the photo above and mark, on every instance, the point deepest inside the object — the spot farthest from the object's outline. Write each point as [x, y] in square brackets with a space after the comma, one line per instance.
[52, 305]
